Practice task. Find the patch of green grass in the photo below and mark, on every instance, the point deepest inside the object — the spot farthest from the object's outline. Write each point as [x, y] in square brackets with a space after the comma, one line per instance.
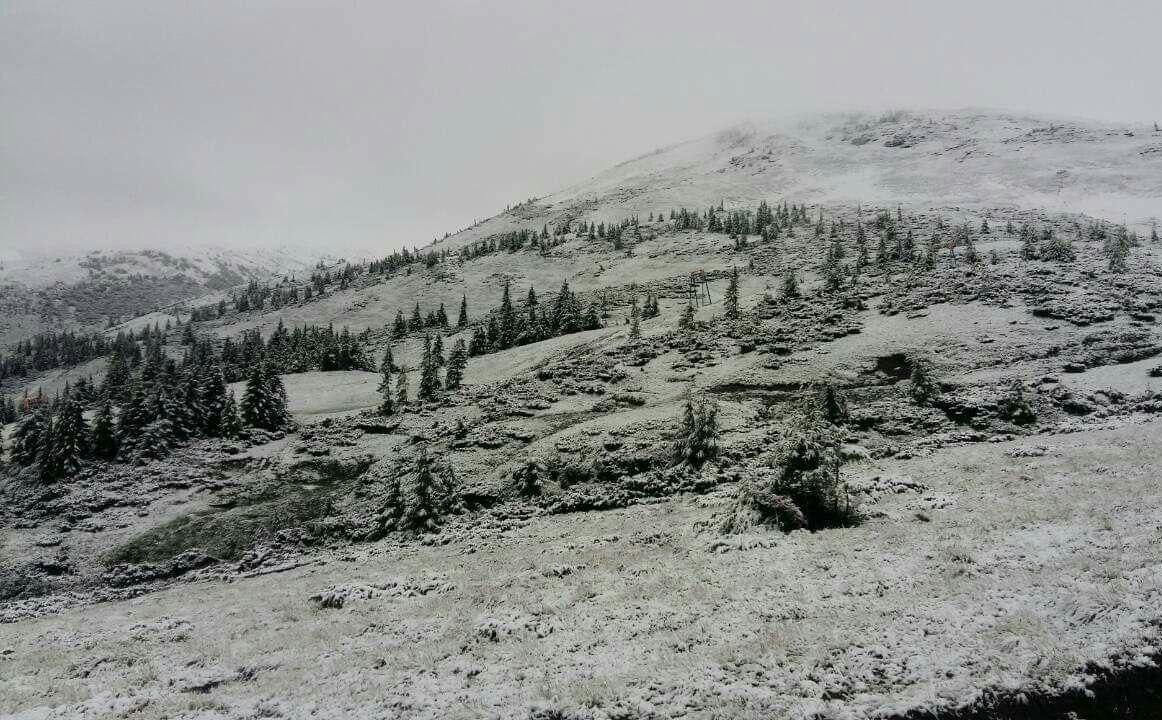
[224, 534]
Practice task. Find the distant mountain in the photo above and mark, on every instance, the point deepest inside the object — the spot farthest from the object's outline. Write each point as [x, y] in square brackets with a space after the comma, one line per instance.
[90, 290]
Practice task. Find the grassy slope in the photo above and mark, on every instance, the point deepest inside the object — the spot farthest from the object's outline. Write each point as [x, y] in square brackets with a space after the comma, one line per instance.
[895, 614]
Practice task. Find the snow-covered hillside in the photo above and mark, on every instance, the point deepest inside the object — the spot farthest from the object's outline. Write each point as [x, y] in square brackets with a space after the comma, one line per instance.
[86, 291]
[923, 160]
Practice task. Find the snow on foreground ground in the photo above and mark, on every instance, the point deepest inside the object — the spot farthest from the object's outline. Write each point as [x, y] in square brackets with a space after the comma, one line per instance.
[1012, 568]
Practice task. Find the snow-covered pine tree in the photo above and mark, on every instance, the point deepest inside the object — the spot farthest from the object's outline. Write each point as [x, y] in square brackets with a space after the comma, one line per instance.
[231, 426]
[697, 437]
[47, 457]
[386, 404]
[71, 437]
[419, 508]
[27, 437]
[429, 377]
[790, 284]
[401, 389]
[195, 410]
[730, 299]
[507, 327]
[212, 395]
[117, 375]
[135, 414]
[104, 442]
[457, 362]
[172, 408]
[258, 405]
[399, 328]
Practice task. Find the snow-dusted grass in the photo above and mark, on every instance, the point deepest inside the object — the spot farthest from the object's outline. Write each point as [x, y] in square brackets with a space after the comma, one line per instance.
[1027, 569]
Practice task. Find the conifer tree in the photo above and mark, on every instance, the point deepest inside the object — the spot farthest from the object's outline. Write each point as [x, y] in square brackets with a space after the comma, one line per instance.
[27, 437]
[790, 284]
[386, 405]
[117, 375]
[213, 398]
[231, 420]
[832, 274]
[924, 386]
[438, 350]
[399, 328]
[442, 317]
[457, 362]
[416, 322]
[462, 322]
[71, 441]
[264, 400]
[507, 319]
[429, 379]
[1117, 251]
[731, 297]
[172, 409]
[419, 512]
[697, 438]
[48, 456]
[135, 414]
[104, 444]
[832, 406]
[635, 324]
[531, 306]
[401, 389]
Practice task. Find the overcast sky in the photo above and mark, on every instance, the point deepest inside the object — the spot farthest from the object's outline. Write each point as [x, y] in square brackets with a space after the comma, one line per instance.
[375, 124]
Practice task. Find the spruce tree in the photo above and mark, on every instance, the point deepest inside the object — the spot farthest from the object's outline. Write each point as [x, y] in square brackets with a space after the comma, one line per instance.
[531, 305]
[135, 414]
[231, 421]
[213, 398]
[507, 319]
[399, 328]
[438, 350]
[697, 438]
[457, 362]
[48, 455]
[790, 284]
[832, 274]
[429, 378]
[117, 375]
[462, 322]
[419, 512]
[416, 322]
[104, 444]
[442, 317]
[731, 297]
[71, 437]
[831, 405]
[386, 405]
[401, 389]
[264, 400]
[26, 438]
